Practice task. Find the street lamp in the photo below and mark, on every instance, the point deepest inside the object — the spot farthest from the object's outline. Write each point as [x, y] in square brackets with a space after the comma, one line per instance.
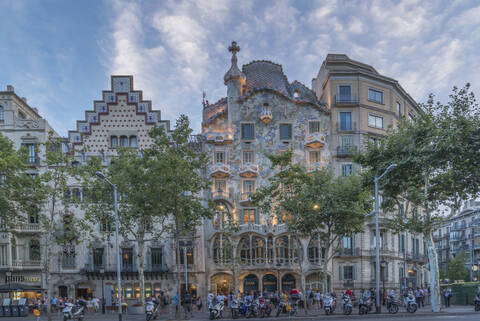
[377, 234]
[102, 272]
[115, 204]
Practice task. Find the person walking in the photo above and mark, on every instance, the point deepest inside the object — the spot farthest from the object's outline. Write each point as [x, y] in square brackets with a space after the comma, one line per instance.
[447, 295]
[199, 304]
[317, 299]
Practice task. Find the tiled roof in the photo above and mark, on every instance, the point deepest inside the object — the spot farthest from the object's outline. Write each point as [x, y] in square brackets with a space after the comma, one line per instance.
[265, 74]
[210, 112]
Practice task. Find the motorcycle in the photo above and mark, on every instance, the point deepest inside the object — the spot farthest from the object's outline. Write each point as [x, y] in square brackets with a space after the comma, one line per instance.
[410, 303]
[347, 304]
[392, 305]
[74, 311]
[328, 304]
[151, 309]
[235, 307]
[215, 309]
[265, 307]
[365, 304]
[477, 302]
[251, 308]
[282, 305]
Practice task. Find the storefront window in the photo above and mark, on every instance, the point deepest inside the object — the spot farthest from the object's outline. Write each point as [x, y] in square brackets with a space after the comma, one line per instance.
[128, 291]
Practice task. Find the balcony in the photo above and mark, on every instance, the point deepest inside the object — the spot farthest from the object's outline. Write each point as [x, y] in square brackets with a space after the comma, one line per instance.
[219, 170]
[348, 128]
[248, 170]
[315, 140]
[27, 264]
[222, 196]
[346, 151]
[262, 229]
[417, 257]
[219, 137]
[312, 167]
[348, 252]
[245, 198]
[156, 268]
[33, 161]
[346, 100]
[266, 115]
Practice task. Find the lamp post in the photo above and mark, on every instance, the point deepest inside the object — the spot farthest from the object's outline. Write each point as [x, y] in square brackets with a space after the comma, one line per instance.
[8, 275]
[383, 265]
[377, 234]
[102, 272]
[119, 279]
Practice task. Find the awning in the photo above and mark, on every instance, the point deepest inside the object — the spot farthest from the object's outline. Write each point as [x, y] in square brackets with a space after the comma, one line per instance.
[20, 287]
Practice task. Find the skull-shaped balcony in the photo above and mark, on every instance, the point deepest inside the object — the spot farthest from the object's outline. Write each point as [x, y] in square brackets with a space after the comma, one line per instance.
[219, 170]
[266, 115]
[315, 140]
[219, 137]
[248, 170]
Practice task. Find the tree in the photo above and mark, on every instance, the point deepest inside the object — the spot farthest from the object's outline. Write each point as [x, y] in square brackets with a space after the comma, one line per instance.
[456, 268]
[438, 158]
[153, 185]
[51, 200]
[316, 202]
[15, 185]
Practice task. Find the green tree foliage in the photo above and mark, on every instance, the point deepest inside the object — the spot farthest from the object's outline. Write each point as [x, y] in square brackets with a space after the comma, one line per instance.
[438, 158]
[15, 185]
[456, 268]
[316, 202]
[159, 190]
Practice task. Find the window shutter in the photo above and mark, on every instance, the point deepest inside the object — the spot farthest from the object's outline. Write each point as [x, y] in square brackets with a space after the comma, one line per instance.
[354, 276]
[340, 273]
[90, 258]
[134, 259]
[290, 134]
[149, 258]
[104, 262]
[257, 219]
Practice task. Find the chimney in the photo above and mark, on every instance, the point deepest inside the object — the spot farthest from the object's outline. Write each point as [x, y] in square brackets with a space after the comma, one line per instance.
[10, 88]
[24, 99]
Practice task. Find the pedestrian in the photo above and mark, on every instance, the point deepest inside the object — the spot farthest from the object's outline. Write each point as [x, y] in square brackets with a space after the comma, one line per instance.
[199, 304]
[187, 305]
[317, 299]
[418, 296]
[54, 304]
[96, 304]
[175, 299]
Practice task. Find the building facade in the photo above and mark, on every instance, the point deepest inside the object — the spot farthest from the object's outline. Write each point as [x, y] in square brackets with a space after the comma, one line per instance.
[363, 105]
[461, 233]
[349, 104]
[21, 264]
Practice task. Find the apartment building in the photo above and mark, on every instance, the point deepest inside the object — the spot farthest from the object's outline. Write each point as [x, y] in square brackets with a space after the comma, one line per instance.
[363, 105]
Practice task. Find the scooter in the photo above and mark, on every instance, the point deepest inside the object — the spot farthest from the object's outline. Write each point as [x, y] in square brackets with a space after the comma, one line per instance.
[235, 309]
[477, 302]
[347, 304]
[265, 307]
[215, 309]
[392, 305]
[151, 309]
[410, 303]
[329, 304]
[282, 305]
[365, 304]
[74, 311]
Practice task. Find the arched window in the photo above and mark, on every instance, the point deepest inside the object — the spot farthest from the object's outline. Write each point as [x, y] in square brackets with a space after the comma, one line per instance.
[123, 141]
[287, 250]
[316, 253]
[21, 115]
[296, 94]
[2, 114]
[114, 141]
[222, 250]
[270, 250]
[220, 216]
[259, 250]
[217, 250]
[34, 247]
[133, 141]
[244, 249]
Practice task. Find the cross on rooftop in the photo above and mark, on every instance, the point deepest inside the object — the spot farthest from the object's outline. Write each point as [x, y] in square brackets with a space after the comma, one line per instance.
[234, 48]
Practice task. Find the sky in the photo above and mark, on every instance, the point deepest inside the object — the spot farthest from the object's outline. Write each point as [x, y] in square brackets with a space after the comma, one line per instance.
[60, 54]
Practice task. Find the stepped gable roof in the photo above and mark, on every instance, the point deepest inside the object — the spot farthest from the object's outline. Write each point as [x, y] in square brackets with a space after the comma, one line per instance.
[212, 111]
[304, 92]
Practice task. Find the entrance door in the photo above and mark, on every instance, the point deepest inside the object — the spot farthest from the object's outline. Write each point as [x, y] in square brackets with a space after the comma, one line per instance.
[288, 282]
[250, 283]
[83, 293]
[63, 291]
[269, 283]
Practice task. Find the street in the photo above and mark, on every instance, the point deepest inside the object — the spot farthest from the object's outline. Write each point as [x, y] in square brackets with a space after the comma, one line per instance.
[459, 313]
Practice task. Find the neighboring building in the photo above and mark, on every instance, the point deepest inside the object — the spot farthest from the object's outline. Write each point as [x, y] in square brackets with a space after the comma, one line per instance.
[363, 104]
[461, 233]
[263, 113]
[21, 262]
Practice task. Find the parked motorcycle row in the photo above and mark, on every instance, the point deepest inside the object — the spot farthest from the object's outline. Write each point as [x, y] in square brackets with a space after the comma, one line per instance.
[74, 311]
[247, 308]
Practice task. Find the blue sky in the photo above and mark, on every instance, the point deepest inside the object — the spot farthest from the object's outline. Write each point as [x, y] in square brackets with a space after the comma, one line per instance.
[60, 54]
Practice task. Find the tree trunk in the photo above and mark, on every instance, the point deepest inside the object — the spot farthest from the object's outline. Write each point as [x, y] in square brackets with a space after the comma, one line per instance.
[325, 275]
[48, 277]
[141, 274]
[434, 279]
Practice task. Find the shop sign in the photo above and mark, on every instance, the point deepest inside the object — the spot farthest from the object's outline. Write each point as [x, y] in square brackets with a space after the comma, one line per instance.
[23, 279]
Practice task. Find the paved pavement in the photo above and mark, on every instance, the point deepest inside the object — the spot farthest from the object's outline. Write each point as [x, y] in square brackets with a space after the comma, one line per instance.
[457, 313]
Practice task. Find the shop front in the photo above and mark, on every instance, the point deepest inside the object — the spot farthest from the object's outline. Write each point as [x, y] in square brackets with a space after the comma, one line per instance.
[288, 282]
[269, 282]
[221, 283]
[19, 286]
[250, 284]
